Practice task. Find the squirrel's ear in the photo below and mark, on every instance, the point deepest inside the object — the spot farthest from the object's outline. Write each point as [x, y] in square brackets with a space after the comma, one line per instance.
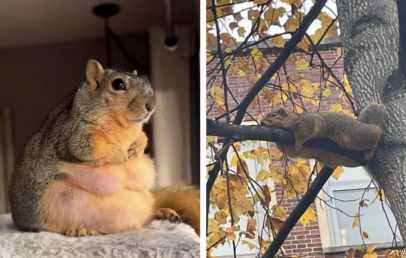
[94, 73]
[282, 112]
[135, 72]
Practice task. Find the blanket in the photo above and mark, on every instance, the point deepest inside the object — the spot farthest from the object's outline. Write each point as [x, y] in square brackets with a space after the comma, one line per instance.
[158, 239]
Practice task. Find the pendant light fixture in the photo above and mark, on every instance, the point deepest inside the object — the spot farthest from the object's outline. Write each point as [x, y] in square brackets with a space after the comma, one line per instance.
[106, 11]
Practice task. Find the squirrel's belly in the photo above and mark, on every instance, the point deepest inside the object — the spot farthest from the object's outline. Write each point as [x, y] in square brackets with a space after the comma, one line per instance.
[64, 207]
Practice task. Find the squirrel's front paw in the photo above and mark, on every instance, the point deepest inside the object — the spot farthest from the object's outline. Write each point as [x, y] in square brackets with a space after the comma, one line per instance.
[368, 155]
[136, 149]
[167, 214]
[82, 232]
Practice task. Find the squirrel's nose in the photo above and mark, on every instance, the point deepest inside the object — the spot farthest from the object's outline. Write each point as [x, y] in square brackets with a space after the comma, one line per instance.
[150, 105]
[263, 123]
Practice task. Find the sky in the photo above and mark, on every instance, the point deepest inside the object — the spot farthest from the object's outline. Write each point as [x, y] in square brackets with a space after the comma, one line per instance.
[330, 9]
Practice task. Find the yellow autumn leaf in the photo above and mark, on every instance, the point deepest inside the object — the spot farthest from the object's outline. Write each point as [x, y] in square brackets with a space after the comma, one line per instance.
[318, 34]
[250, 244]
[291, 24]
[365, 235]
[336, 108]
[241, 31]
[220, 217]
[213, 225]
[347, 88]
[262, 175]
[298, 109]
[319, 166]
[256, 53]
[209, 57]
[333, 31]
[260, 1]
[380, 196]
[309, 215]
[337, 172]
[233, 25]
[234, 160]
[251, 227]
[391, 253]
[280, 212]
[348, 112]
[356, 221]
[278, 42]
[292, 59]
[371, 248]
[279, 98]
[237, 146]
[339, 51]
[253, 14]
[211, 138]
[238, 16]
[304, 44]
[370, 255]
[230, 233]
[271, 16]
[307, 91]
[302, 65]
[277, 154]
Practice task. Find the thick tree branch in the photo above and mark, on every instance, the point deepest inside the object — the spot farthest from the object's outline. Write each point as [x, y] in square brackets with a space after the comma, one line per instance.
[369, 30]
[402, 36]
[370, 33]
[263, 133]
[301, 208]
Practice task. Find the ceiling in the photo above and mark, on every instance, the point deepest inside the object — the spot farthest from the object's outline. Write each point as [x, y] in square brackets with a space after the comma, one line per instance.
[34, 22]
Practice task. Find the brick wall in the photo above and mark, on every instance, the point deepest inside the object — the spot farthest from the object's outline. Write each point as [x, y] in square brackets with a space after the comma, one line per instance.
[304, 241]
[240, 85]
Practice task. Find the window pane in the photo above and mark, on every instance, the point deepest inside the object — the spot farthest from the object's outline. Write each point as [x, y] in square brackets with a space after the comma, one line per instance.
[371, 217]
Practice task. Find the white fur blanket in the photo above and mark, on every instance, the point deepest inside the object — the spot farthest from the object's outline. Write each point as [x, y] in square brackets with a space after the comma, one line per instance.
[159, 239]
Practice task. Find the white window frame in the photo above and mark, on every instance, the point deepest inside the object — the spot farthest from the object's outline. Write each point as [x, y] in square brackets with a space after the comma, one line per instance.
[331, 185]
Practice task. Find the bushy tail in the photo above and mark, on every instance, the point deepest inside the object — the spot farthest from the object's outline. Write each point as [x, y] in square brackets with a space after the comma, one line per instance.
[374, 114]
[185, 200]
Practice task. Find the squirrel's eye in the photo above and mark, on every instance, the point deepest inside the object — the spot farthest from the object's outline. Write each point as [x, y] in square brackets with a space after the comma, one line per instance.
[273, 115]
[118, 84]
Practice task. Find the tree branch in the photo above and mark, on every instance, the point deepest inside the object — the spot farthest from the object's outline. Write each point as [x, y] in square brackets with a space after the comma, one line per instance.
[402, 36]
[221, 59]
[370, 35]
[264, 133]
[301, 208]
[280, 60]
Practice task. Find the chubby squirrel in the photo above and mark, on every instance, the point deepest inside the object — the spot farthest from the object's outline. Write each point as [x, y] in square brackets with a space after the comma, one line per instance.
[360, 135]
[85, 172]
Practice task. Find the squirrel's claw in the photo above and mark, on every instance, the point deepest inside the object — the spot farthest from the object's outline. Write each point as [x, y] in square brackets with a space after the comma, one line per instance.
[135, 150]
[82, 232]
[168, 214]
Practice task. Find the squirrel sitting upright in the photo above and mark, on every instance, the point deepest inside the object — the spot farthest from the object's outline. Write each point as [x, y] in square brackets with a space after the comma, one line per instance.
[360, 135]
[85, 172]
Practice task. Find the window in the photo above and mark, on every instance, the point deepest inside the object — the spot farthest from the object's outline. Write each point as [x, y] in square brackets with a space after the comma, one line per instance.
[347, 192]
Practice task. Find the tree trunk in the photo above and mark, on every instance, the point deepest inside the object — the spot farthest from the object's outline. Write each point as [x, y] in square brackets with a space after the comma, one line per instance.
[370, 34]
